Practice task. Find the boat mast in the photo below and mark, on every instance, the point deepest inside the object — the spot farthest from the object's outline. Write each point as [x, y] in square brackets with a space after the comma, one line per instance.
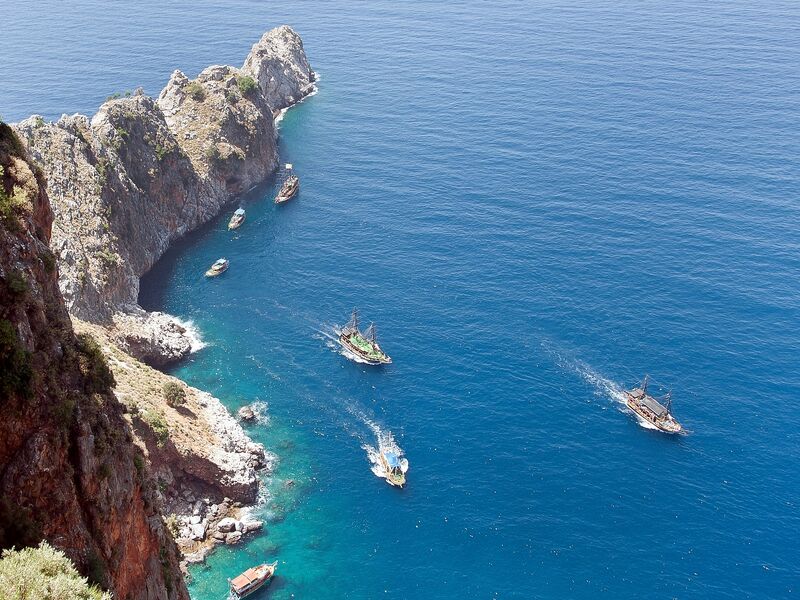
[644, 383]
[669, 400]
[353, 324]
[371, 334]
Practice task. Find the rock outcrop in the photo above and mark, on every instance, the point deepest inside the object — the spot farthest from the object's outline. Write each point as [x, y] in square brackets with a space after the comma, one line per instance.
[69, 470]
[141, 173]
[205, 465]
[194, 446]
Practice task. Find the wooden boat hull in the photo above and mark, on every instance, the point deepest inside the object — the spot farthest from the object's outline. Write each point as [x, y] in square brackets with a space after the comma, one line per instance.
[345, 343]
[667, 426]
[394, 481]
[250, 585]
[253, 590]
[213, 273]
[285, 194]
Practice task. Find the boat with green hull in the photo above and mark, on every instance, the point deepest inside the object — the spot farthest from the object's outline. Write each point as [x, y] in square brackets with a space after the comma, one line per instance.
[362, 345]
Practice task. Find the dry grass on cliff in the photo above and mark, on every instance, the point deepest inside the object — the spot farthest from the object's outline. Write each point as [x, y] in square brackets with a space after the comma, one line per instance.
[141, 389]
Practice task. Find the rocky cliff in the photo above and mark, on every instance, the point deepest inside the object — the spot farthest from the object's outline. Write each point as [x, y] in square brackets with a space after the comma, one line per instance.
[205, 465]
[141, 172]
[69, 472]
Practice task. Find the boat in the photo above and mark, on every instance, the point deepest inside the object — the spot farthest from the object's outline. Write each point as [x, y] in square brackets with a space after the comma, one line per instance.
[289, 188]
[237, 219]
[218, 268]
[652, 410]
[252, 579]
[394, 468]
[363, 345]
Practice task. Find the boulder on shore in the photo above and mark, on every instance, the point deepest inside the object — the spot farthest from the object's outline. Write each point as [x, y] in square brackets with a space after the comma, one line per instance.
[227, 525]
[246, 413]
[233, 538]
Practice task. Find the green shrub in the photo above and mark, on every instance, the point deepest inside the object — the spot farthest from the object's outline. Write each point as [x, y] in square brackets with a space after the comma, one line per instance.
[212, 153]
[138, 462]
[158, 424]
[174, 393]
[102, 168]
[104, 471]
[48, 260]
[108, 257]
[196, 91]
[96, 570]
[13, 205]
[232, 96]
[15, 363]
[44, 573]
[64, 411]
[16, 283]
[9, 142]
[246, 84]
[38, 122]
[93, 365]
[161, 152]
[171, 521]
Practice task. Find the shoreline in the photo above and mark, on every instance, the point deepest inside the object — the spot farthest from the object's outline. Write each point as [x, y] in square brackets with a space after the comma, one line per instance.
[125, 185]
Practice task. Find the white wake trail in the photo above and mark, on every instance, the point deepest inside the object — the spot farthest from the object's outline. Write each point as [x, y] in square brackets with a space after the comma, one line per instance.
[603, 386]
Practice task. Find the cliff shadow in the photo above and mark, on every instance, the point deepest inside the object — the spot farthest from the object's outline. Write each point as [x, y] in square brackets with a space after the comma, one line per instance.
[153, 285]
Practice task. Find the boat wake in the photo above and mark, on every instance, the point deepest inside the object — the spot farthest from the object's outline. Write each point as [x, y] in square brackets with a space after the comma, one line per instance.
[261, 411]
[385, 442]
[314, 92]
[603, 386]
[330, 335]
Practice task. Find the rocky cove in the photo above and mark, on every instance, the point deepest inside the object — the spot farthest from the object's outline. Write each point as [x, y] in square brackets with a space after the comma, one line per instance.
[109, 194]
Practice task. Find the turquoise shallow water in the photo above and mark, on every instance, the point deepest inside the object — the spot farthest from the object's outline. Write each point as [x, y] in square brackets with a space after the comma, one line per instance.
[537, 203]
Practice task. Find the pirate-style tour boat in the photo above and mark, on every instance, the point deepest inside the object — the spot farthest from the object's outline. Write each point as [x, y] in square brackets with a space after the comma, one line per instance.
[218, 268]
[394, 468]
[237, 219]
[289, 188]
[252, 580]
[652, 410]
[362, 345]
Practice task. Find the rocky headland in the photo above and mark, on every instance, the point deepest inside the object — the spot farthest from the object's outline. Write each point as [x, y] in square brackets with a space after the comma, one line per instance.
[102, 455]
[143, 172]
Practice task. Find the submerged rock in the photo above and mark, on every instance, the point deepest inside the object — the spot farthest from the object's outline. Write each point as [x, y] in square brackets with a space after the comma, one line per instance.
[246, 413]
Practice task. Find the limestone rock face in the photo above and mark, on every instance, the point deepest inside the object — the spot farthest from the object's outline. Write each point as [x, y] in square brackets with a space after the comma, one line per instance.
[154, 337]
[69, 472]
[141, 173]
[278, 63]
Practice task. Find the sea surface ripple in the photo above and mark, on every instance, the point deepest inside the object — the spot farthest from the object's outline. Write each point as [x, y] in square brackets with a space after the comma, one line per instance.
[538, 203]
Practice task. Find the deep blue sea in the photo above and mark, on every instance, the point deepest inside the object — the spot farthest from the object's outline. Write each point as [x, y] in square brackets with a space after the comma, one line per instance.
[537, 202]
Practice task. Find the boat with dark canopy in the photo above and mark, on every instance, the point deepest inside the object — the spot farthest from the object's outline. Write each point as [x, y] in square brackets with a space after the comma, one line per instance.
[652, 410]
[363, 345]
[289, 188]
